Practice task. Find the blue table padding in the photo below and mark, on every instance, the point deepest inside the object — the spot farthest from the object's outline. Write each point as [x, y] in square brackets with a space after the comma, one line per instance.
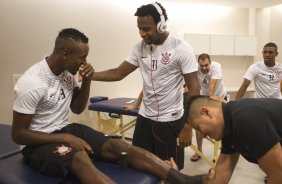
[114, 106]
[95, 99]
[7, 145]
[14, 171]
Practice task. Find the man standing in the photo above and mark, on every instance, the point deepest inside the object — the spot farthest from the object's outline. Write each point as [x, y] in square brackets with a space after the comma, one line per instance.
[211, 82]
[163, 60]
[266, 75]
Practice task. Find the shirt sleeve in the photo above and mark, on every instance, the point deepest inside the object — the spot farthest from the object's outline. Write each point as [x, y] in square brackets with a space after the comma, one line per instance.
[216, 71]
[134, 54]
[187, 59]
[251, 73]
[278, 73]
[227, 146]
[29, 91]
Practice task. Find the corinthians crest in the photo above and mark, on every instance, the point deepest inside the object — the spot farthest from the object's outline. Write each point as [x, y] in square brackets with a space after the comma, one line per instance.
[68, 82]
[165, 58]
[62, 150]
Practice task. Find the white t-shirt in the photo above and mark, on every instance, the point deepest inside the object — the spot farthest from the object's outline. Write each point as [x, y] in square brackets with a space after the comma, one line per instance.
[266, 79]
[215, 72]
[46, 96]
[162, 68]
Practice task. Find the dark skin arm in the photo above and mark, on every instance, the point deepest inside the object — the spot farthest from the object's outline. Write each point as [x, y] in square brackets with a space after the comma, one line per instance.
[81, 95]
[212, 86]
[22, 135]
[136, 105]
[115, 74]
[243, 89]
[191, 81]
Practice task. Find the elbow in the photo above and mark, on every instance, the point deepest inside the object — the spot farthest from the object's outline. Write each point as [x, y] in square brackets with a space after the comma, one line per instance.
[77, 110]
[17, 138]
[78, 107]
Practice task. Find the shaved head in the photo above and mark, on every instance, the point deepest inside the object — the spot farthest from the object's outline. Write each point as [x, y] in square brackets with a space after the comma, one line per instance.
[195, 103]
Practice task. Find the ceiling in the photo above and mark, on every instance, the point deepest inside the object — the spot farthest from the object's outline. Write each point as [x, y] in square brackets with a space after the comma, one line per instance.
[237, 3]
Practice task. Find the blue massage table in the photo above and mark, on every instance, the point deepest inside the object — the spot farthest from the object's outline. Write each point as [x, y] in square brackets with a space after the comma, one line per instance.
[14, 171]
[7, 145]
[115, 110]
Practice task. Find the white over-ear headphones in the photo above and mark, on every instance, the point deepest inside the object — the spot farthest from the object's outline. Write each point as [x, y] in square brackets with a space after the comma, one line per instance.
[161, 25]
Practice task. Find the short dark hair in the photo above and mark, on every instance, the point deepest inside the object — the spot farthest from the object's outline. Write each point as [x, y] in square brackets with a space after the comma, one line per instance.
[197, 101]
[271, 44]
[204, 56]
[150, 9]
[72, 34]
[194, 98]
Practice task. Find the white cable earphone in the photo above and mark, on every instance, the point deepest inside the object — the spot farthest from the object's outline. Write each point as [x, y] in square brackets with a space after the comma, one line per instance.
[161, 25]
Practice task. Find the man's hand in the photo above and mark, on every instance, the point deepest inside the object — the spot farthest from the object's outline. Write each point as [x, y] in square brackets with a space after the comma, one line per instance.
[86, 71]
[210, 179]
[130, 107]
[171, 163]
[185, 136]
[77, 143]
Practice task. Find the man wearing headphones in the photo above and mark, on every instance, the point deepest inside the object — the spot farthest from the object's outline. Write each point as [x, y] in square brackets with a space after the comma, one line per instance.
[163, 60]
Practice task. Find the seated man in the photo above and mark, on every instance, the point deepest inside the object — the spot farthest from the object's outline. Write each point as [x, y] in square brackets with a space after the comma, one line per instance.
[54, 146]
[250, 127]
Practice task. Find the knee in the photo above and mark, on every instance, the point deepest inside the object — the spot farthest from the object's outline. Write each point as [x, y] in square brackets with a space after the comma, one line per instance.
[115, 147]
[80, 160]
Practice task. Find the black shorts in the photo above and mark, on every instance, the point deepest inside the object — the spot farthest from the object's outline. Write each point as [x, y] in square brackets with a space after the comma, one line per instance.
[55, 159]
[159, 138]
